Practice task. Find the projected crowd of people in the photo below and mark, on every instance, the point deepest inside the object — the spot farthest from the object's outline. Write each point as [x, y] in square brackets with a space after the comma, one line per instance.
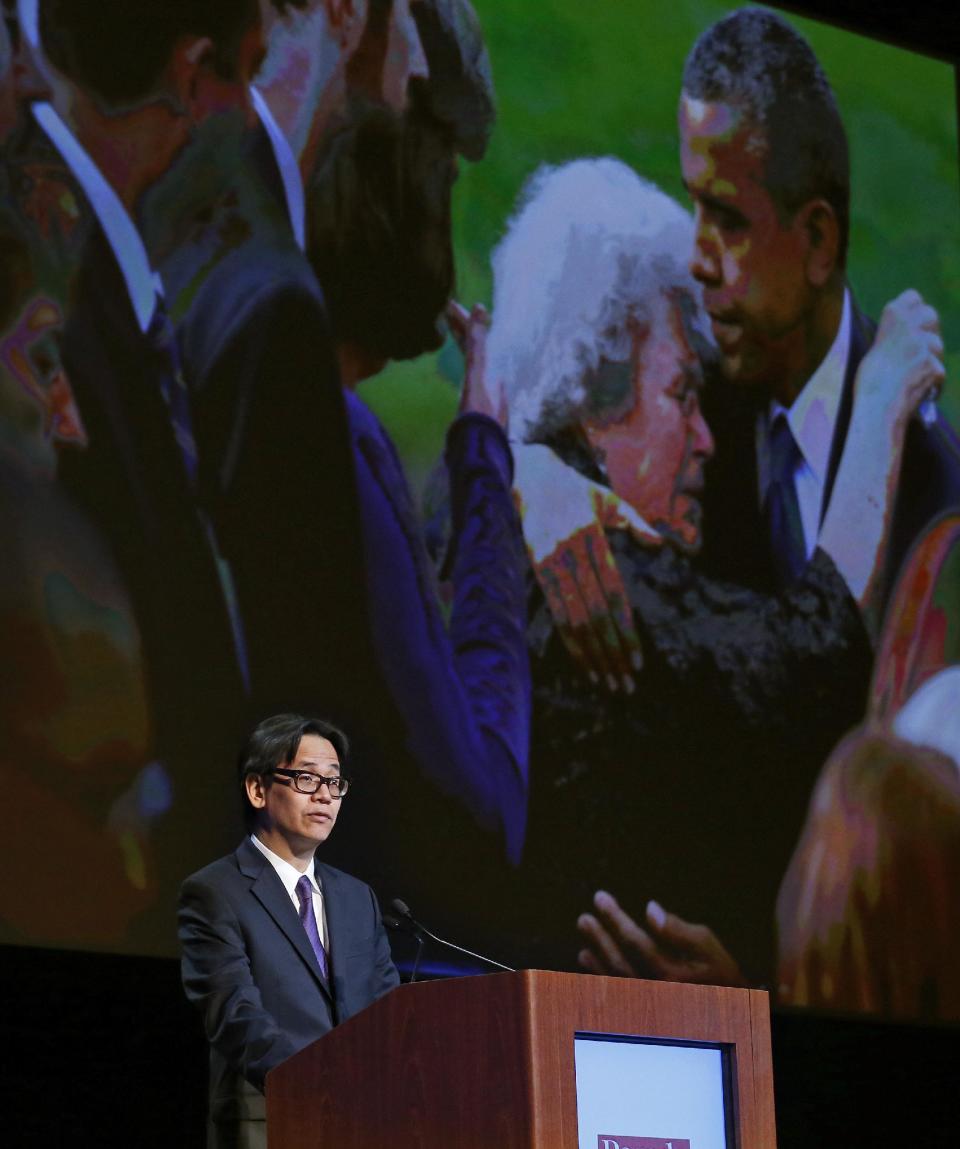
[593, 687]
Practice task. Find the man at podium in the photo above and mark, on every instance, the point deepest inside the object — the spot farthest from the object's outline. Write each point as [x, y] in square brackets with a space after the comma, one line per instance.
[278, 947]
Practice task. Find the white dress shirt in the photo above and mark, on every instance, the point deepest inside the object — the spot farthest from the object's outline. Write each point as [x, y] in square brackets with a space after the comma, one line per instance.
[143, 283]
[813, 420]
[290, 875]
[289, 168]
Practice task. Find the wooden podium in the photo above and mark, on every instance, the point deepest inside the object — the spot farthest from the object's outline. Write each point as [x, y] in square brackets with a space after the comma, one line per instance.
[488, 1062]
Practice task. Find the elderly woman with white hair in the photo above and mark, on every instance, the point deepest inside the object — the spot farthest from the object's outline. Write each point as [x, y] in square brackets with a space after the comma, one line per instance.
[610, 302]
[599, 339]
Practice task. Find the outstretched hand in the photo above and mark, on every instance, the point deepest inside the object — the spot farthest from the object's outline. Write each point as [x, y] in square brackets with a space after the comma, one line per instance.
[565, 516]
[666, 947]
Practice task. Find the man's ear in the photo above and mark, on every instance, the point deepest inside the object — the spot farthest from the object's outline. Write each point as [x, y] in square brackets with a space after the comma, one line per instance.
[822, 229]
[192, 57]
[256, 790]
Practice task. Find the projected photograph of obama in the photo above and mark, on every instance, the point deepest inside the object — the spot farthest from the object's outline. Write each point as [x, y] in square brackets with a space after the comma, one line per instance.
[659, 293]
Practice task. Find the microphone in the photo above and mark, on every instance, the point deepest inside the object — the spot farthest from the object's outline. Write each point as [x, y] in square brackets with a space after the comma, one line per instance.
[401, 908]
[405, 926]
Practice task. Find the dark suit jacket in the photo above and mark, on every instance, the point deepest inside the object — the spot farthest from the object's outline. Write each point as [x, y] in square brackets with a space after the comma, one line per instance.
[736, 546]
[248, 966]
[276, 473]
[131, 482]
[262, 159]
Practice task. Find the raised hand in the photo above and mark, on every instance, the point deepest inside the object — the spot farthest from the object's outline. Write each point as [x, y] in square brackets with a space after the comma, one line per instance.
[565, 516]
[905, 364]
[480, 394]
[903, 369]
[666, 947]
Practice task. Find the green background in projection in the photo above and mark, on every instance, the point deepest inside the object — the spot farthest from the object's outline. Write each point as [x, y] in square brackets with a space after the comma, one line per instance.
[574, 82]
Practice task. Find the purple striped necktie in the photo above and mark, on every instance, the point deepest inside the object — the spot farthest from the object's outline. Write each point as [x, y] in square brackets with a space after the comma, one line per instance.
[309, 920]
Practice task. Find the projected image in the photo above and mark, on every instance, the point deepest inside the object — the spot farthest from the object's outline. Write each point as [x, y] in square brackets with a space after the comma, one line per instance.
[551, 401]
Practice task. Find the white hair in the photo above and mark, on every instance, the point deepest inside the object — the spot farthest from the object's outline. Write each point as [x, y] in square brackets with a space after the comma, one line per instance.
[590, 246]
[931, 715]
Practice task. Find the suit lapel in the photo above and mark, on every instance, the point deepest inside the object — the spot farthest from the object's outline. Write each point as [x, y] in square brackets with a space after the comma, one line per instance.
[340, 924]
[267, 888]
[263, 160]
[333, 907]
[862, 331]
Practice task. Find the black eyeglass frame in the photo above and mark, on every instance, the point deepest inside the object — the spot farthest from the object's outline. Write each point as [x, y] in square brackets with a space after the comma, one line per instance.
[336, 784]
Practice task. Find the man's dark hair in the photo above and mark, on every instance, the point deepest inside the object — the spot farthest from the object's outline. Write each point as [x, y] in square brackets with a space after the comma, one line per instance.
[459, 91]
[754, 60]
[379, 231]
[275, 742]
[380, 204]
[117, 49]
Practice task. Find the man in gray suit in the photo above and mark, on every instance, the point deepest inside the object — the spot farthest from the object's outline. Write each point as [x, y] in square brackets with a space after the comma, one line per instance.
[277, 947]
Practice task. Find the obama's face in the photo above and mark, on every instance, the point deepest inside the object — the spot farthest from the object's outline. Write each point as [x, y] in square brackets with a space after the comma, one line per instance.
[751, 261]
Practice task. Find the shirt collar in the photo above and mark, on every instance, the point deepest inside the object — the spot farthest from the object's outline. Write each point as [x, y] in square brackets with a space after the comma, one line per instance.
[287, 874]
[813, 414]
[289, 168]
[143, 284]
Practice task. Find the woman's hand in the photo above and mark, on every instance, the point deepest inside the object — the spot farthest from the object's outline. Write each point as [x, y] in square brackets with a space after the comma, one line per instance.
[479, 394]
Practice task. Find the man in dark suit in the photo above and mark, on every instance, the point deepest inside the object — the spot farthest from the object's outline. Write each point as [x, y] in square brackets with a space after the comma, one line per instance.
[277, 947]
[230, 417]
[764, 156]
[128, 473]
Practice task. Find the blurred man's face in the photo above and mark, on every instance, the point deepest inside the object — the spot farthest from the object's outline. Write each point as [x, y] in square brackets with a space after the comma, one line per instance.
[751, 265]
[655, 453]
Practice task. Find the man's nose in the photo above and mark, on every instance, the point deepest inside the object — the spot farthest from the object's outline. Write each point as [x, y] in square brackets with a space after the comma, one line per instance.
[705, 263]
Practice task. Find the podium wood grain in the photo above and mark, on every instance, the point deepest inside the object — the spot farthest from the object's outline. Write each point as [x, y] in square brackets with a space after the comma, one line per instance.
[488, 1062]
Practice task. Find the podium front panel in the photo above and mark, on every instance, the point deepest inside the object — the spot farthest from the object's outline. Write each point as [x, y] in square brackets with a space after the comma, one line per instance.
[489, 1063]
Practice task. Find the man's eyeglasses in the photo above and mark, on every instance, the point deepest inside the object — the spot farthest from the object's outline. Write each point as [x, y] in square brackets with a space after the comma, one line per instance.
[309, 783]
